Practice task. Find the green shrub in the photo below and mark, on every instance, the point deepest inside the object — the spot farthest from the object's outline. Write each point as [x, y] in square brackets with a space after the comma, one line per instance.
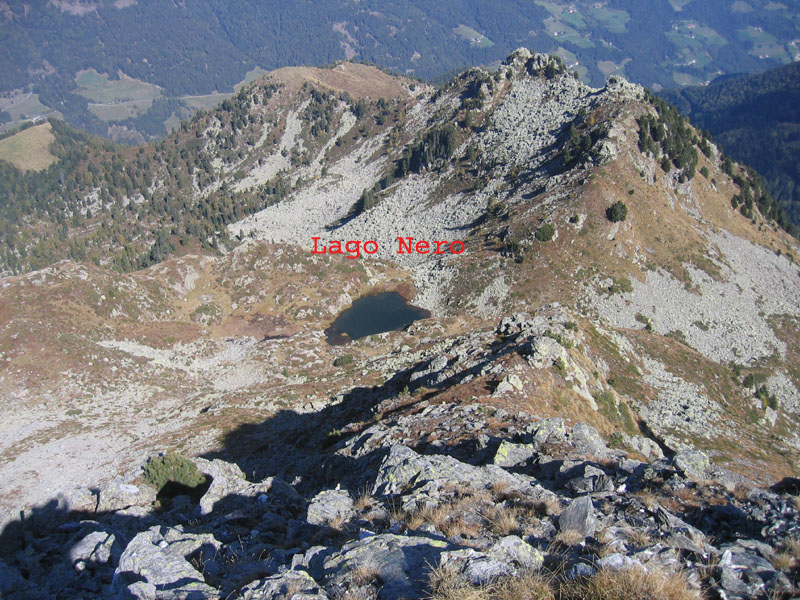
[343, 361]
[617, 212]
[545, 233]
[173, 469]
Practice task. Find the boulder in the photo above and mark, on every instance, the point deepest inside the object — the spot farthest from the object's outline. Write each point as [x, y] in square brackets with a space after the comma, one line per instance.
[403, 469]
[579, 517]
[693, 464]
[228, 484]
[586, 440]
[549, 431]
[297, 585]
[330, 505]
[154, 561]
[510, 383]
[618, 562]
[399, 562]
[93, 548]
[513, 550]
[644, 446]
[117, 494]
[510, 454]
[477, 567]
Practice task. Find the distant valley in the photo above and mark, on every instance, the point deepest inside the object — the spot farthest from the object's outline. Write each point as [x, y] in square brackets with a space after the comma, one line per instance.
[82, 60]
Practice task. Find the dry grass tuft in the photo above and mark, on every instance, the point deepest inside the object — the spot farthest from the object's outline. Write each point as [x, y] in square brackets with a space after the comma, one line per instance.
[629, 584]
[527, 586]
[459, 525]
[791, 548]
[447, 583]
[550, 506]
[783, 561]
[649, 498]
[364, 501]
[566, 539]
[640, 538]
[365, 573]
[337, 522]
[502, 520]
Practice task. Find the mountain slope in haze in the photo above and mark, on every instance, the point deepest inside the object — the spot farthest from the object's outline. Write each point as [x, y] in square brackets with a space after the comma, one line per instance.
[756, 120]
[83, 61]
[616, 288]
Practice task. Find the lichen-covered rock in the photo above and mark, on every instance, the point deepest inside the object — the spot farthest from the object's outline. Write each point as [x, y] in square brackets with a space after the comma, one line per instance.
[399, 562]
[514, 550]
[297, 585]
[694, 464]
[330, 505]
[644, 446]
[585, 439]
[618, 562]
[403, 469]
[510, 383]
[510, 454]
[549, 431]
[478, 567]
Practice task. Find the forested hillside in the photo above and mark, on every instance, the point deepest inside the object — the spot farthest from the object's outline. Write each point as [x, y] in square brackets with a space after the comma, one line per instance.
[129, 207]
[83, 60]
[756, 119]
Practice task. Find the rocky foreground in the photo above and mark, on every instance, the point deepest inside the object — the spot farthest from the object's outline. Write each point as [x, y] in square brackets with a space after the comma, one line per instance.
[500, 506]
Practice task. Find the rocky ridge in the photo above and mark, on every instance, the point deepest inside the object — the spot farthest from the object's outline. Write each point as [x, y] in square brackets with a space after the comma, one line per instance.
[508, 496]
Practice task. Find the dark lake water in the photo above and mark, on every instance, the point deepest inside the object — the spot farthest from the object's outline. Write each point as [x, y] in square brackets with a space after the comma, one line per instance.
[373, 314]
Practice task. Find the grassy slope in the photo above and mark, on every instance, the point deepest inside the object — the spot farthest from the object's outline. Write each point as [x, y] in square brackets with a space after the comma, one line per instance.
[28, 149]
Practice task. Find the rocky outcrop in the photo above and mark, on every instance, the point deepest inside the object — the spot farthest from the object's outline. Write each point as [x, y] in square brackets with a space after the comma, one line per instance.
[517, 512]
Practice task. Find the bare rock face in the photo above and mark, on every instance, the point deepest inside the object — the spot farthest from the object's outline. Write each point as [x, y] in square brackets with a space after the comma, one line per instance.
[153, 565]
[396, 561]
[579, 517]
[95, 548]
[328, 506]
[292, 584]
[118, 494]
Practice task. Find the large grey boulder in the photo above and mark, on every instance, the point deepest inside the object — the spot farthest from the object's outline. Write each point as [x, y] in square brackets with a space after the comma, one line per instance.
[477, 567]
[118, 494]
[297, 585]
[228, 483]
[94, 548]
[510, 555]
[403, 469]
[586, 440]
[693, 464]
[154, 563]
[329, 506]
[579, 517]
[548, 431]
[510, 454]
[399, 562]
[513, 550]
[644, 446]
